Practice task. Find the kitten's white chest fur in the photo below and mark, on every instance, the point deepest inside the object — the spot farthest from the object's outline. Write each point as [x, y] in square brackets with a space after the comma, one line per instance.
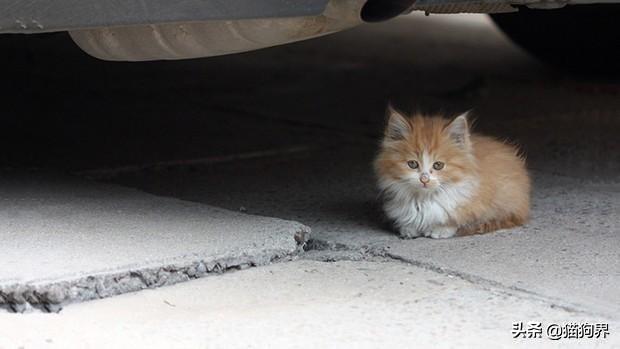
[425, 214]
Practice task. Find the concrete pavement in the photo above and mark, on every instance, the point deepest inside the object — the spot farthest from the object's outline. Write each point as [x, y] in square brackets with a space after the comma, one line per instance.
[567, 254]
[305, 304]
[67, 240]
[290, 133]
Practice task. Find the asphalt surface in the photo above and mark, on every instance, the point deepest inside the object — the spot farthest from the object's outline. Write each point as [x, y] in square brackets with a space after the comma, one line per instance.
[290, 132]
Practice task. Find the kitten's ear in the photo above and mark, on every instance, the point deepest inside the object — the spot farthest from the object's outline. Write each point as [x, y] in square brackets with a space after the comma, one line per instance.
[458, 130]
[397, 126]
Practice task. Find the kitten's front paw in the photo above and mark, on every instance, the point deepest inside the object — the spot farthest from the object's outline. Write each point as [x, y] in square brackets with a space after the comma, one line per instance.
[442, 232]
[409, 232]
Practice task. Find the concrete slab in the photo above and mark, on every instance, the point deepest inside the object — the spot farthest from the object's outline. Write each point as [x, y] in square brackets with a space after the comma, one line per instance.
[305, 304]
[568, 254]
[326, 97]
[66, 240]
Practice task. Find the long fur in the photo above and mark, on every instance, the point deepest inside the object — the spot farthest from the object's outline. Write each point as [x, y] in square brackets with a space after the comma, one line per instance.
[483, 186]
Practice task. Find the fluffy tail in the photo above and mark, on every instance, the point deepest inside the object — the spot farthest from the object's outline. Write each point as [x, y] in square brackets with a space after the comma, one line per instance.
[487, 227]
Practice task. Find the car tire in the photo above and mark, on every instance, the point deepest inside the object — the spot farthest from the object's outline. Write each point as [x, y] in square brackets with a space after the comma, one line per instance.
[577, 38]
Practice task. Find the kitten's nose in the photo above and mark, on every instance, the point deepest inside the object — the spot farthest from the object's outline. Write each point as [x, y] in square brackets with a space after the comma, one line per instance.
[425, 178]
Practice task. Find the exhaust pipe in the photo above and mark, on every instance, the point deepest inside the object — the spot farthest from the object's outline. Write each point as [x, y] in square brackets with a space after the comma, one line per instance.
[170, 41]
[382, 10]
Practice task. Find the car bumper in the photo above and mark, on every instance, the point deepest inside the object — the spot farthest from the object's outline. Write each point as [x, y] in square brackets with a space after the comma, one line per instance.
[36, 16]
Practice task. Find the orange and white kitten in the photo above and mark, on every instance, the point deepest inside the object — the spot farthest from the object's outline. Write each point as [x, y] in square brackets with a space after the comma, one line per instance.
[439, 180]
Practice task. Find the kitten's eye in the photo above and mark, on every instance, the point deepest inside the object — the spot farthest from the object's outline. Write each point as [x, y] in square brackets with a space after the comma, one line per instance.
[438, 165]
[413, 164]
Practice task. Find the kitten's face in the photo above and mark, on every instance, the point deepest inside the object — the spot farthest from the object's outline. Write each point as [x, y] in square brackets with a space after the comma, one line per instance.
[425, 154]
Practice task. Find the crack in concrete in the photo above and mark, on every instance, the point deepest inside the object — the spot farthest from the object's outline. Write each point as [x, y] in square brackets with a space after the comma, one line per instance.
[334, 252]
[53, 296]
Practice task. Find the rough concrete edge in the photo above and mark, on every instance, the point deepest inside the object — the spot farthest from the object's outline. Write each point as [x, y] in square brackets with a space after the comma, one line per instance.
[52, 296]
[330, 252]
